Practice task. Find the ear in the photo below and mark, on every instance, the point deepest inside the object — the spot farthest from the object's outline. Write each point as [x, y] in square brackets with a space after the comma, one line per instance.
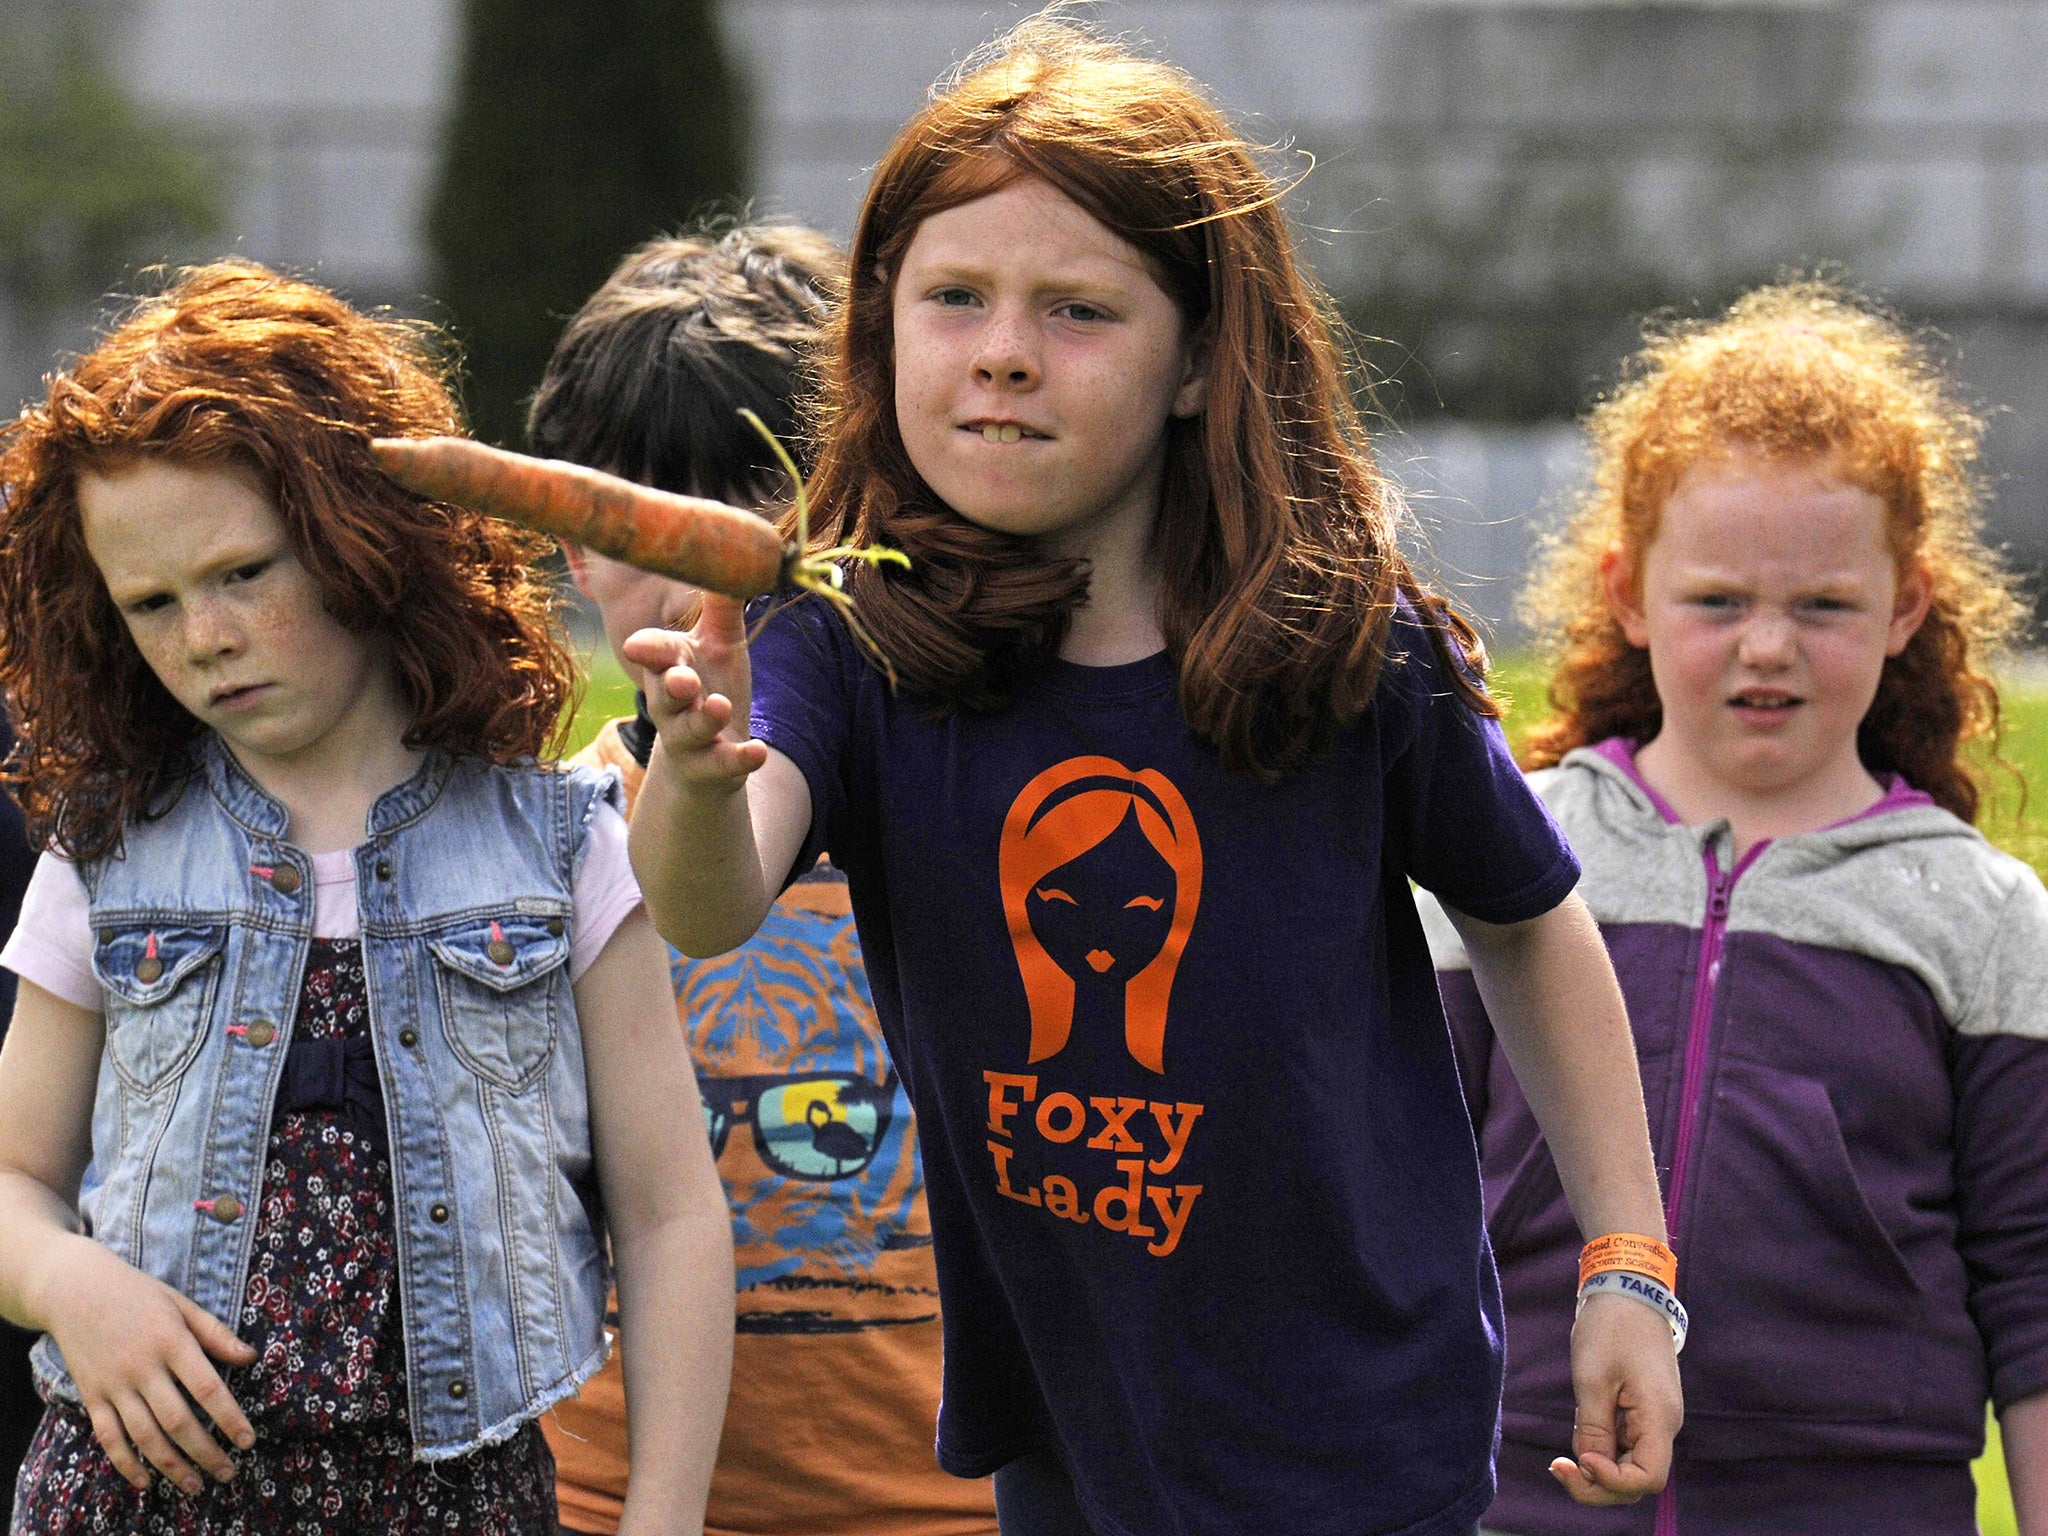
[579, 568]
[1909, 607]
[1621, 584]
[1197, 353]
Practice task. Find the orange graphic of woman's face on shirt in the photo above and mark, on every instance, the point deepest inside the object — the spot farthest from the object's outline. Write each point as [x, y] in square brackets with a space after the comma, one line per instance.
[1101, 873]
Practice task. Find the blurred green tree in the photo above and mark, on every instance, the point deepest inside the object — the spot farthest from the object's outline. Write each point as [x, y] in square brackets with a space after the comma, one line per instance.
[90, 185]
[578, 131]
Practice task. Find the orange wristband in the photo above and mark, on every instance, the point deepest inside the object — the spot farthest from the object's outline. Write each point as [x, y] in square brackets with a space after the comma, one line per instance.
[1637, 1255]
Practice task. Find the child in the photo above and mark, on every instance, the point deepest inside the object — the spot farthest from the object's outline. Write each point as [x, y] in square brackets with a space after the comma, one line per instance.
[1129, 843]
[351, 1006]
[836, 1368]
[1774, 613]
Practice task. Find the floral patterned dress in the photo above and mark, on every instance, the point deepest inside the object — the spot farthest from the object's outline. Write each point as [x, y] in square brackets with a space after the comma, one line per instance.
[326, 1393]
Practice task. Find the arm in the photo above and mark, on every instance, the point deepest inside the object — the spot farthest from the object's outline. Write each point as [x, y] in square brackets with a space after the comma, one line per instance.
[671, 1234]
[720, 817]
[2024, 1427]
[1559, 1016]
[135, 1347]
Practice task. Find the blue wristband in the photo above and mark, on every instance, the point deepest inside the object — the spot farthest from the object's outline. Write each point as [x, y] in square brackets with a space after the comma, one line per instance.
[1621, 1282]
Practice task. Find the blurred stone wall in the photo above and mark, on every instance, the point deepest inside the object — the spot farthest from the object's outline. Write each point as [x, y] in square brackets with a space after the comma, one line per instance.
[1500, 183]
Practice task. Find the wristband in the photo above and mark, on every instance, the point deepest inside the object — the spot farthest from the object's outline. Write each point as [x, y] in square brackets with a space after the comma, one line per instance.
[1620, 1282]
[1637, 1255]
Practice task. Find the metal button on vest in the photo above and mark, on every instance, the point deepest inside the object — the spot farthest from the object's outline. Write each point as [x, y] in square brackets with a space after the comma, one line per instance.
[148, 969]
[500, 951]
[383, 869]
[408, 1038]
[284, 879]
[106, 935]
[226, 1209]
[261, 1033]
[458, 1389]
[438, 1211]
[555, 927]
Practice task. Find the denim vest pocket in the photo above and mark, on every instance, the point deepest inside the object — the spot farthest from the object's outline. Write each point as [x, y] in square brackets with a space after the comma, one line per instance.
[498, 982]
[159, 986]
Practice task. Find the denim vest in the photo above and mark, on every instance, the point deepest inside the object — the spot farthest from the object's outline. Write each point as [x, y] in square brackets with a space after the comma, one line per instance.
[202, 927]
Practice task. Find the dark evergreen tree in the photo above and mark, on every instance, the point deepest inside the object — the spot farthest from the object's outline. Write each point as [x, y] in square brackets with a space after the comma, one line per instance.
[578, 131]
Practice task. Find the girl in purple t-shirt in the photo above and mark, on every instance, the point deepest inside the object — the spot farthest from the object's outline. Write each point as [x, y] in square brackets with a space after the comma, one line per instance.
[1129, 811]
[1775, 613]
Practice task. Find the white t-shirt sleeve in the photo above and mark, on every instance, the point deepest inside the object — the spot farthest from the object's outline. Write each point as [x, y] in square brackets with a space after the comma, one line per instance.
[605, 892]
[52, 941]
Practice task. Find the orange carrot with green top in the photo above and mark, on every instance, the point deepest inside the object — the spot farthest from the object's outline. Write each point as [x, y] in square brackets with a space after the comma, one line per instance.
[705, 543]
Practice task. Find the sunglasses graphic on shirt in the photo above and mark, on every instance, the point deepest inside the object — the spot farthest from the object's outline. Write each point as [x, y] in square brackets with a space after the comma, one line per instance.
[814, 1125]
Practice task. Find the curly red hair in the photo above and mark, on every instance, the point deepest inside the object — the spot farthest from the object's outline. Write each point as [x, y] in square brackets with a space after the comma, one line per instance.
[1277, 534]
[236, 364]
[1798, 370]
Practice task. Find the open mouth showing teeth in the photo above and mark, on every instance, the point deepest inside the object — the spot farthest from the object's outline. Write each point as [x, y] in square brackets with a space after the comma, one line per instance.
[1005, 432]
[1743, 701]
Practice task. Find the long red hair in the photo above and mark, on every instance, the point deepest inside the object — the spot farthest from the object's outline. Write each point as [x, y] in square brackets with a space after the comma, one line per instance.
[235, 364]
[1277, 532]
[1798, 370]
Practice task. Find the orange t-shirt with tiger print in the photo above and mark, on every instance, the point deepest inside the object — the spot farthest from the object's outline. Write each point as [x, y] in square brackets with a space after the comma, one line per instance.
[835, 1380]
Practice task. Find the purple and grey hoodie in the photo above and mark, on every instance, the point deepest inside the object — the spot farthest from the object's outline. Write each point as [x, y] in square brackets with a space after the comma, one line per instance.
[1843, 1040]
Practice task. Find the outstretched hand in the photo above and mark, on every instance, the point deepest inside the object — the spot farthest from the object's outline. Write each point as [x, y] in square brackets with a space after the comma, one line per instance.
[139, 1354]
[699, 686]
[1625, 1376]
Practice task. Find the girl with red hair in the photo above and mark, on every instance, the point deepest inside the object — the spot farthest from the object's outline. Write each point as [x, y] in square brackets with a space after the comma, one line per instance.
[1129, 772]
[1774, 615]
[348, 1005]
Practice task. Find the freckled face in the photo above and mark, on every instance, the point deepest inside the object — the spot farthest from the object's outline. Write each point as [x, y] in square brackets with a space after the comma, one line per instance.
[199, 565]
[1768, 601]
[1037, 365]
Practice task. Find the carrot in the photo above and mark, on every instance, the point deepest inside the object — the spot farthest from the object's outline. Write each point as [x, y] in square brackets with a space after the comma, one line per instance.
[705, 543]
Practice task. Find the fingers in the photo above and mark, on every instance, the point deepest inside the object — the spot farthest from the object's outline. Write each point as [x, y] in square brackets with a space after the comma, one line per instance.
[112, 1435]
[721, 621]
[196, 1375]
[182, 1442]
[215, 1336]
[697, 685]
[1600, 1480]
[134, 1441]
[1629, 1404]
[656, 649]
[152, 1422]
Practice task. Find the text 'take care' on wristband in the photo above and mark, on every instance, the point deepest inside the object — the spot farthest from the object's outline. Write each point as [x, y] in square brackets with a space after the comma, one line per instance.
[1619, 1282]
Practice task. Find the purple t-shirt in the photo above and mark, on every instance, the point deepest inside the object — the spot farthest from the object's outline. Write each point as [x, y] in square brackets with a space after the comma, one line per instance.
[1202, 1186]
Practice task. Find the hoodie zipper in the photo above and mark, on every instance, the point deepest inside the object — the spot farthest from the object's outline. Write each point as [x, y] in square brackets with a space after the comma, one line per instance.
[1698, 1036]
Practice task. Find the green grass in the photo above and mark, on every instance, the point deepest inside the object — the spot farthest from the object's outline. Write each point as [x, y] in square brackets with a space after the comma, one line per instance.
[607, 694]
[1518, 678]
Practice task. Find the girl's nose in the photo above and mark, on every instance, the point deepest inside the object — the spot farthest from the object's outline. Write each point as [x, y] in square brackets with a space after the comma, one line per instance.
[1006, 357]
[210, 632]
[1767, 641]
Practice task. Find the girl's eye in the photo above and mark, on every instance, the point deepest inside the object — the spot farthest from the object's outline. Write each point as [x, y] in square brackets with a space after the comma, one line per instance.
[1076, 310]
[1826, 606]
[250, 571]
[151, 603]
[1717, 602]
[953, 298]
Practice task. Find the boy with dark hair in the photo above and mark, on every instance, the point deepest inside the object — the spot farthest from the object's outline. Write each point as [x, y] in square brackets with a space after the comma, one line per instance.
[835, 1385]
